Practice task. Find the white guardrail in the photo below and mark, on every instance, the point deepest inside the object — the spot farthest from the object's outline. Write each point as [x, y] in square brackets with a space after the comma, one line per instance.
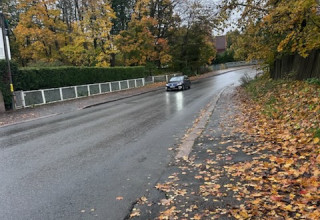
[25, 99]
[233, 64]
[32, 98]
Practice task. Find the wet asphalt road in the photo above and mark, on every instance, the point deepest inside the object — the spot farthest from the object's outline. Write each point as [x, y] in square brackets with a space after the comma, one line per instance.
[73, 166]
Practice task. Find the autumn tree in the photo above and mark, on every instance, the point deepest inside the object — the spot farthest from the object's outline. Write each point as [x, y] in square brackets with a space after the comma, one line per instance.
[192, 41]
[72, 32]
[91, 33]
[123, 10]
[40, 32]
[163, 12]
[91, 42]
[141, 43]
[272, 28]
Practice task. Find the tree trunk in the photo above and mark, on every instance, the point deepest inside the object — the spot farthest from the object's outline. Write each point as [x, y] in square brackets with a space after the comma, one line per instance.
[113, 60]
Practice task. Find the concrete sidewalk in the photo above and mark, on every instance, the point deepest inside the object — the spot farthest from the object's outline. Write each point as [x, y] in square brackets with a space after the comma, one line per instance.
[24, 115]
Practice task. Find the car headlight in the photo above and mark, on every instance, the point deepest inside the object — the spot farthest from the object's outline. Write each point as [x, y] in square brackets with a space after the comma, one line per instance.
[167, 84]
[180, 83]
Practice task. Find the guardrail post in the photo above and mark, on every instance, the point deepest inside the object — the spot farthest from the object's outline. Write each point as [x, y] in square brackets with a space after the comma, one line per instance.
[100, 90]
[119, 85]
[61, 94]
[152, 79]
[76, 91]
[88, 87]
[23, 100]
[43, 97]
[135, 83]
[110, 86]
[128, 84]
[143, 81]
[167, 78]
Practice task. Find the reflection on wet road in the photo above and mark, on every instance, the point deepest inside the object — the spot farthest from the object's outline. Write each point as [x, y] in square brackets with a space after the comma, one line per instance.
[53, 168]
[176, 99]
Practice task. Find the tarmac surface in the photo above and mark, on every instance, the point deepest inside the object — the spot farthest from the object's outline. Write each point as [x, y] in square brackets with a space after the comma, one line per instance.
[95, 162]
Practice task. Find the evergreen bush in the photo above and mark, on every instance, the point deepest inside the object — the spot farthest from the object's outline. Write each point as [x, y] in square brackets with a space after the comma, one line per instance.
[54, 77]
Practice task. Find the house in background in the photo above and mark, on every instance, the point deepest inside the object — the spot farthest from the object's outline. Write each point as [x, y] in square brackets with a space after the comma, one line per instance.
[220, 43]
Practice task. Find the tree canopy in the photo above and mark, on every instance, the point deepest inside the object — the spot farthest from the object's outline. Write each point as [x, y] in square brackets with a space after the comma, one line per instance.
[272, 28]
[164, 33]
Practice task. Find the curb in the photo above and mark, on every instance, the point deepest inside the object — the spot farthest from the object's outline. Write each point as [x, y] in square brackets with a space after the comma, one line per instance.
[187, 143]
[122, 98]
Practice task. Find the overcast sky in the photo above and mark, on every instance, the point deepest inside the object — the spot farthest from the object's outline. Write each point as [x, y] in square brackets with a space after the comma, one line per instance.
[231, 26]
[213, 4]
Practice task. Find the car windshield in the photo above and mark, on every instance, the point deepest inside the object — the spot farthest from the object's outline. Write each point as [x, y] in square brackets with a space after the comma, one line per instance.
[176, 79]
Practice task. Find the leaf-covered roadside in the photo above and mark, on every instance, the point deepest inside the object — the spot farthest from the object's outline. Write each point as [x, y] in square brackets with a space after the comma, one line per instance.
[284, 117]
[258, 158]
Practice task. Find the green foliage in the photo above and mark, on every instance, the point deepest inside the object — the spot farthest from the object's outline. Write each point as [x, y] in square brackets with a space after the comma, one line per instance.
[227, 56]
[33, 78]
[313, 81]
[43, 64]
[43, 78]
[123, 10]
[151, 68]
[259, 86]
[4, 81]
[317, 133]
[192, 49]
[272, 28]
[245, 80]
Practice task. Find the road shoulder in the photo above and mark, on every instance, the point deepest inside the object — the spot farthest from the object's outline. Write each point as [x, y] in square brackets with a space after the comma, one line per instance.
[199, 187]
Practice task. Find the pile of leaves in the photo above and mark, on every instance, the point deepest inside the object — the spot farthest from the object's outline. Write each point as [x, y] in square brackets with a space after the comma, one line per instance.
[259, 158]
[284, 117]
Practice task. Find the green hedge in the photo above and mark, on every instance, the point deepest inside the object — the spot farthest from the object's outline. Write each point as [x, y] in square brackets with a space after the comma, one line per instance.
[226, 57]
[53, 77]
[4, 81]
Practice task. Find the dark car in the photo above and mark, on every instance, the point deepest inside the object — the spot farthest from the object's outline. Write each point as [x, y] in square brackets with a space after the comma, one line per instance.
[178, 83]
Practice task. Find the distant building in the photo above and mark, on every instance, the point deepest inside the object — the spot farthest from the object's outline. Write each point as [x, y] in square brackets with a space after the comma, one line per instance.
[221, 44]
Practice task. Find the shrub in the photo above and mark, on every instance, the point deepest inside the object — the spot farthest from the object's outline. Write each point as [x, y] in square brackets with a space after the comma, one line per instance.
[204, 69]
[4, 81]
[54, 77]
[227, 56]
[313, 81]
[245, 80]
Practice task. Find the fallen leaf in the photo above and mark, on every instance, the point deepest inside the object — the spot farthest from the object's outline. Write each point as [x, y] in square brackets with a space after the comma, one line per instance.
[135, 213]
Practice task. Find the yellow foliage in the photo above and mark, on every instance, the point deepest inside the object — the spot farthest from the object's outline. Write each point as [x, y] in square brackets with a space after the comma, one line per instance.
[42, 35]
[273, 27]
[39, 33]
[139, 44]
